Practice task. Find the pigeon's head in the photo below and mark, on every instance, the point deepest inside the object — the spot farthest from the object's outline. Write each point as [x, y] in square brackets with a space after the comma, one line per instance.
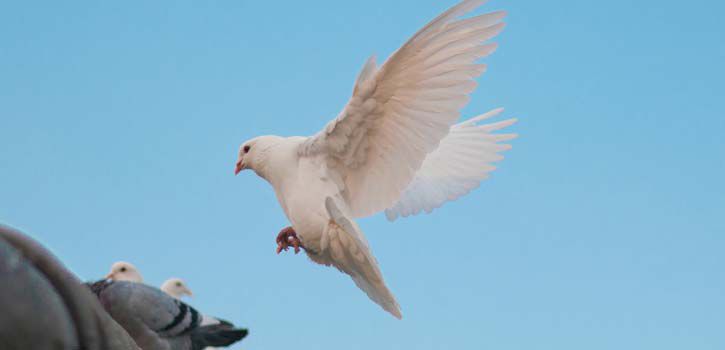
[253, 153]
[124, 271]
[176, 287]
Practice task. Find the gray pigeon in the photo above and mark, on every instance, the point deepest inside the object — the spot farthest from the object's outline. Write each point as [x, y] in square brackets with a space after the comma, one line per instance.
[157, 321]
[44, 306]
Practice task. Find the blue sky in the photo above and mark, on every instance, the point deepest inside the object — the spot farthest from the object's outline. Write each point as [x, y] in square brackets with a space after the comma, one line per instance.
[603, 228]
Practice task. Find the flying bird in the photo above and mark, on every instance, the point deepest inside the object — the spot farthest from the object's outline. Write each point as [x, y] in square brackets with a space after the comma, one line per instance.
[155, 320]
[395, 147]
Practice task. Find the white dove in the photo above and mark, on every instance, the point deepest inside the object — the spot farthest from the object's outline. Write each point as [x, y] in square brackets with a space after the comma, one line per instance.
[394, 147]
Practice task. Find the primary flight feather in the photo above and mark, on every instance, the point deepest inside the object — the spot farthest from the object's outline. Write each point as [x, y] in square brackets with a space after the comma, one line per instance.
[393, 148]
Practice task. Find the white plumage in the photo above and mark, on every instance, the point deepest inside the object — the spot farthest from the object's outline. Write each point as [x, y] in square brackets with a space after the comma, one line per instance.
[399, 113]
[462, 160]
[393, 148]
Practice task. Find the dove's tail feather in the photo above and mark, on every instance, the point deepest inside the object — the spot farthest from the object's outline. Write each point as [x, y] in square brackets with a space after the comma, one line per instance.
[346, 249]
[216, 335]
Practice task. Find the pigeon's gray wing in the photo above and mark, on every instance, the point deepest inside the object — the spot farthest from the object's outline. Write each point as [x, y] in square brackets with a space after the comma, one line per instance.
[44, 306]
[157, 321]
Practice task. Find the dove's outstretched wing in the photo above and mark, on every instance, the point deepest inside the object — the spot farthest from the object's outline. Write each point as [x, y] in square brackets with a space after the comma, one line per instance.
[400, 112]
[463, 159]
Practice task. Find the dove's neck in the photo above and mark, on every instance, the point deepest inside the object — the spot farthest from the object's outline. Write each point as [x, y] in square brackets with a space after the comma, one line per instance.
[279, 161]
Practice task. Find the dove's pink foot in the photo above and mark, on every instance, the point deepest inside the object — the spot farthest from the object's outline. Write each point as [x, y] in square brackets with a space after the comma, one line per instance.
[288, 238]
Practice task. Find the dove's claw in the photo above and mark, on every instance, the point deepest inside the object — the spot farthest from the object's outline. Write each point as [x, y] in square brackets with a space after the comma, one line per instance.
[288, 238]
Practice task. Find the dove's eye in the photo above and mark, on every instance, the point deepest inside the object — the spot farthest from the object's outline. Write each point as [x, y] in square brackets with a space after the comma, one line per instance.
[247, 148]
[123, 269]
[178, 284]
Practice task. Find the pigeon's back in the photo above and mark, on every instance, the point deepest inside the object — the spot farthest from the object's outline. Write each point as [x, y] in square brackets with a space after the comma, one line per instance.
[157, 310]
[148, 315]
[157, 321]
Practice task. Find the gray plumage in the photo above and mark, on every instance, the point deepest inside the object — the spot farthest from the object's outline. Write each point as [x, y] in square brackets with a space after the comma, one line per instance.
[156, 321]
[44, 306]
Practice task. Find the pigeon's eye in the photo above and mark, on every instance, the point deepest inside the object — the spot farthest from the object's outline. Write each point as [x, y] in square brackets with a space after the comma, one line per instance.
[178, 284]
[247, 148]
[123, 269]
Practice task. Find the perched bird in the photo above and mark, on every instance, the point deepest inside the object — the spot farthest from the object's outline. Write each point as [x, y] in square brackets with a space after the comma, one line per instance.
[176, 287]
[393, 148]
[44, 306]
[124, 271]
[155, 320]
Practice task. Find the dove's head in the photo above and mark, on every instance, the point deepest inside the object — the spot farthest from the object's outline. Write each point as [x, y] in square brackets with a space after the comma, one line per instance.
[253, 154]
[176, 287]
[124, 271]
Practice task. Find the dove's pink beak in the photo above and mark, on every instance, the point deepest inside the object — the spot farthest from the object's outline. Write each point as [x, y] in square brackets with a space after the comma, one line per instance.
[239, 167]
[109, 276]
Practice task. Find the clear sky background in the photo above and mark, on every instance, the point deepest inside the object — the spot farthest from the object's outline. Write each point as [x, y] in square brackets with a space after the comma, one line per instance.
[602, 229]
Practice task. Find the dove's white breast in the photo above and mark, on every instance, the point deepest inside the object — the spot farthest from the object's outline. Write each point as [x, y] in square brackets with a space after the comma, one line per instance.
[302, 191]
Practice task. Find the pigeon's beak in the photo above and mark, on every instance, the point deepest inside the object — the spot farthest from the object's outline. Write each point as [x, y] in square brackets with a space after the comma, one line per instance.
[109, 276]
[188, 291]
[239, 167]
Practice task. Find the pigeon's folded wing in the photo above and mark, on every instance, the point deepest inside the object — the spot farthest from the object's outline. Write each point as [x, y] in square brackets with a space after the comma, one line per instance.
[158, 321]
[400, 112]
[463, 159]
[148, 314]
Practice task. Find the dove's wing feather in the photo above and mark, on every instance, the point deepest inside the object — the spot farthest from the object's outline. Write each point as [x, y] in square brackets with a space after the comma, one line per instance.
[463, 159]
[400, 112]
[343, 246]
